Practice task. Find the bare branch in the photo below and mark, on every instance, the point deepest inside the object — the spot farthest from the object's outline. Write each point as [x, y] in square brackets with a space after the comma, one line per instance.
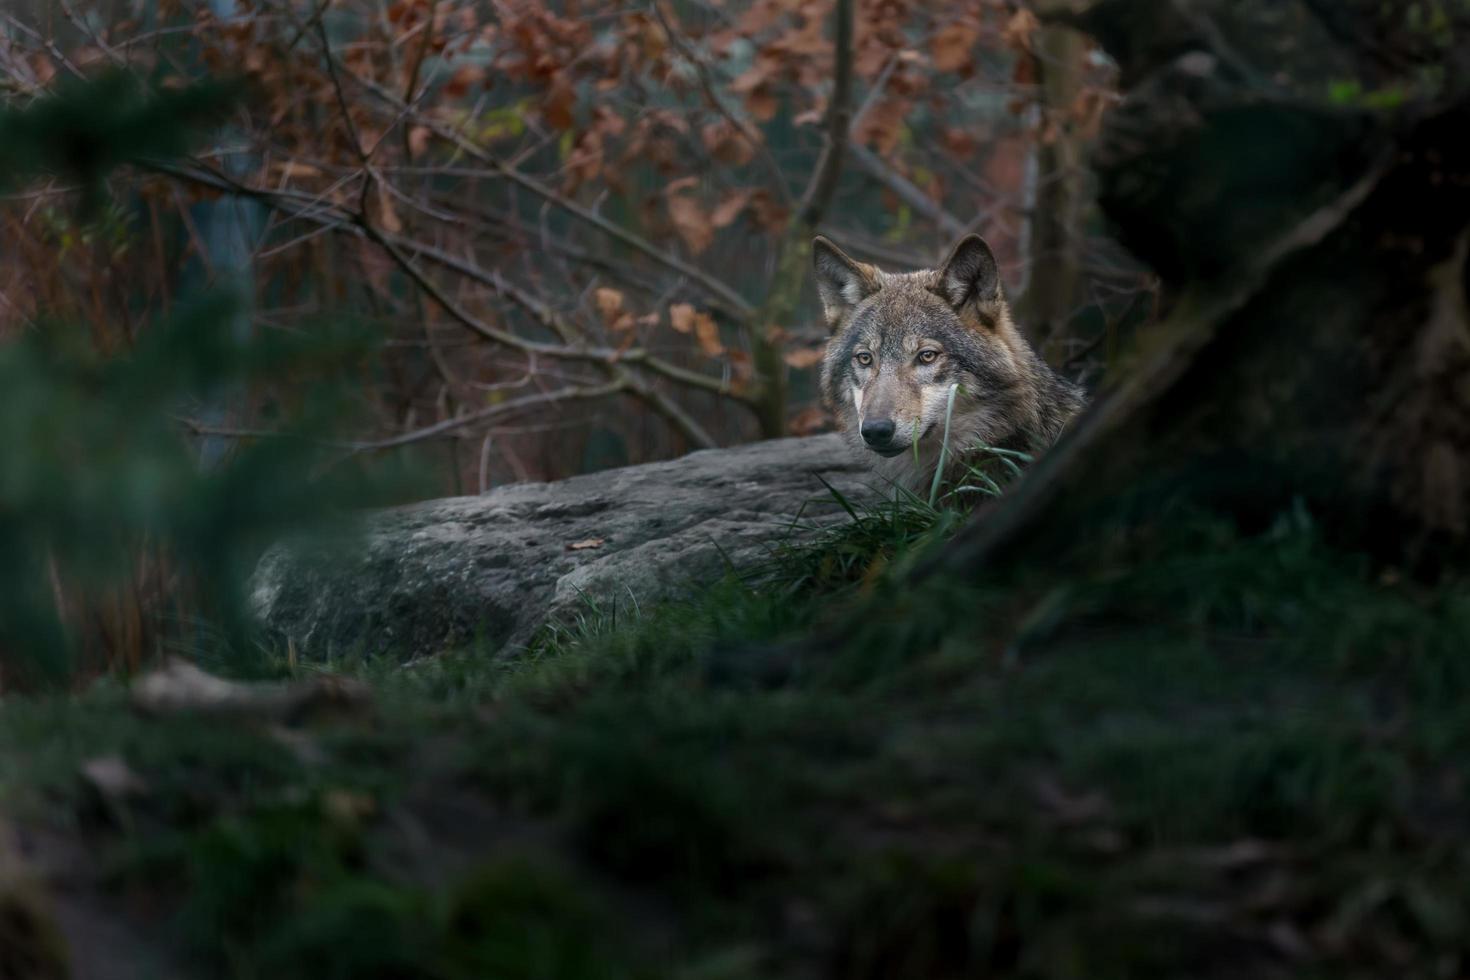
[494, 411]
[746, 131]
[472, 149]
[398, 249]
[839, 116]
[906, 192]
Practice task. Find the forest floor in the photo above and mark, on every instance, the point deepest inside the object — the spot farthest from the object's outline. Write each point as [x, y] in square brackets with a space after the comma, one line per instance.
[1211, 755]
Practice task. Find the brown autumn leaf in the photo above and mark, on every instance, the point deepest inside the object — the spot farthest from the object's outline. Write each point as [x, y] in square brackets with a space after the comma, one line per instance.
[762, 104]
[802, 358]
[418, 141]
[707, 332]
[290, 169]
[726, 145]
[681, 317]
[557, 107]
[691, 222]
[464, 78]
[43, 67]
[770, 214]
[741, 369]
[730, 208]
[586, 544]
[757, 75]
[952, 44]
[810, 116]
[959, 141]
[609, 302]
[883, 124]
[1019, 29]
[872, 56]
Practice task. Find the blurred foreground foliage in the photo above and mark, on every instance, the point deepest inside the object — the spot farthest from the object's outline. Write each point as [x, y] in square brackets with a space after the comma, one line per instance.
[118, 540]
[1192, 752]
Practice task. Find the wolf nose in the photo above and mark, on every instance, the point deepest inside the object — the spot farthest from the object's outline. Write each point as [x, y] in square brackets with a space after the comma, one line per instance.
[878, 432]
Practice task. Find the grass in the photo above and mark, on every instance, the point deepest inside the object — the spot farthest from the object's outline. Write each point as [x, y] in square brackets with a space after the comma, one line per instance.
[1178, 752]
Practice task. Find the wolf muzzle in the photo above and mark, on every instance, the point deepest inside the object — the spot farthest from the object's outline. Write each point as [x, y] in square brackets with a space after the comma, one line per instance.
[878, 434]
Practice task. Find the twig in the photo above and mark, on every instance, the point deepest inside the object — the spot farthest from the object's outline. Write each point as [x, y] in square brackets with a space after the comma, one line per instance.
[398, 248]
[467, 146]
[484, 414]
[905, 190]
[839, 114]
[746, 131]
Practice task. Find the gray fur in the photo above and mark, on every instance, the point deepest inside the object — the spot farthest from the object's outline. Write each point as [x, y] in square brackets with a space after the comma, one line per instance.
[1008, 398]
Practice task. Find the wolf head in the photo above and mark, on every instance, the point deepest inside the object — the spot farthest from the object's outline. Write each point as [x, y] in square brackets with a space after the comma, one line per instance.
[900, 342]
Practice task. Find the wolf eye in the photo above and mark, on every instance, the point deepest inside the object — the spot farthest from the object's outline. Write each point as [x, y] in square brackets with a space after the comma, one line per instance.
[928, 356]
[863, 358]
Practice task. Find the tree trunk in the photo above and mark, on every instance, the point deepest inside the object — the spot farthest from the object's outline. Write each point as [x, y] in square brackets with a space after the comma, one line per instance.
[1298, 174]
[1054, 280]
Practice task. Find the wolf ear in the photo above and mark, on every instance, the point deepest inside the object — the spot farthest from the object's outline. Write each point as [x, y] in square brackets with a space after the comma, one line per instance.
[842, 281]
[969, 274]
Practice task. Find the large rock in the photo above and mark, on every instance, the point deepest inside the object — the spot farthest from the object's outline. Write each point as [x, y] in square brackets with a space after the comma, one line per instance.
[491, 569]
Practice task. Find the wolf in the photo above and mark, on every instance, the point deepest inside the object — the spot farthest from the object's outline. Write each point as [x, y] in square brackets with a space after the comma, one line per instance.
[901, 341]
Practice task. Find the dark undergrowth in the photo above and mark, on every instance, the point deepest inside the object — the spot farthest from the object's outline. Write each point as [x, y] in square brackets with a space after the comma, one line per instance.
[1182, 754]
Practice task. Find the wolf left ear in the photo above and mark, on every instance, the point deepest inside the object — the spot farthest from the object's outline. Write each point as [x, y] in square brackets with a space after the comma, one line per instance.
[842, 281]
[969, 274]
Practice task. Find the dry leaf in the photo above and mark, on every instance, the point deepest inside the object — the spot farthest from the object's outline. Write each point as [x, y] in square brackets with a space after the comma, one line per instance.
[810, 117]
[181, 688]
[1018, 30]
[418, 141]
[691, 222]
[681, 317]
[762, 105]
[883, 124]
[559, 103]
[291, 168]
[609, 302]
[726, 145]
[730, 208]
[952, 44]
[708, 335]
[586, 544]
[462, 80]
[804, 358]
[741, 368]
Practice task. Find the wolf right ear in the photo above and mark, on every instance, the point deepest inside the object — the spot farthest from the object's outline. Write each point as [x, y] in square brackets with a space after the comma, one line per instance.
[843, 281]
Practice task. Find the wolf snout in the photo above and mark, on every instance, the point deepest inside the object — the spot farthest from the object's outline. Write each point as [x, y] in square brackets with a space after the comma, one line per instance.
[878, 433]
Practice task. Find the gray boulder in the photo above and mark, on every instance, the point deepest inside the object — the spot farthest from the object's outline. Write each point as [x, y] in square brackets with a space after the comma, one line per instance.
[493, 568]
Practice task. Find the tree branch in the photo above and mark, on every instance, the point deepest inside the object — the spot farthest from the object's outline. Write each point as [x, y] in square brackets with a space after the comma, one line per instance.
[823, 184]
[485, 414]
[905, 190]
[746, 131]
[397, 247]
[636, 242]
